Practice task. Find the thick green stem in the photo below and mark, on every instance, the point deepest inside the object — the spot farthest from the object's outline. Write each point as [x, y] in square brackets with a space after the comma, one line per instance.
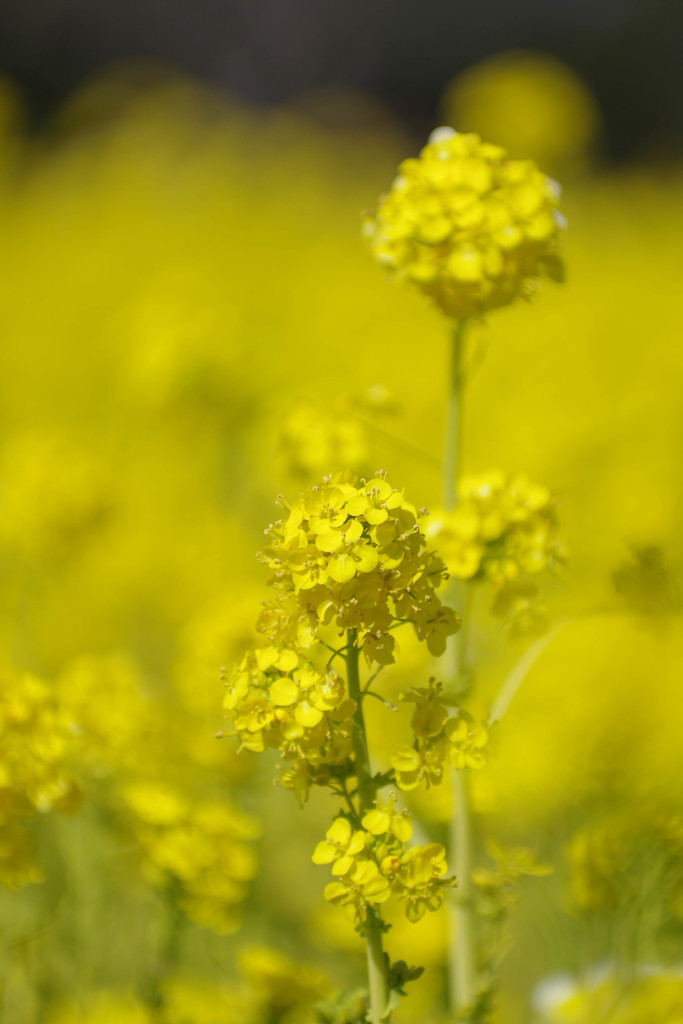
[377, 975]
[461, 966]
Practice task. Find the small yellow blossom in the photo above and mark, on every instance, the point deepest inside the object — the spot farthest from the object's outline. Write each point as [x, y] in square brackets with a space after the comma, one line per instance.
[465, 739]
[384, 819]
[341, 845]
[363, 887]
[420, 879]
[467, 226]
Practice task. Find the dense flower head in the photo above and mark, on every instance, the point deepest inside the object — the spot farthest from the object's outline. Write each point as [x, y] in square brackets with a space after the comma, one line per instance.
[349, 557]
[199, 852]
[372, 863]
[439, 739]
[502, 530]
[468, 226]
[351, 554]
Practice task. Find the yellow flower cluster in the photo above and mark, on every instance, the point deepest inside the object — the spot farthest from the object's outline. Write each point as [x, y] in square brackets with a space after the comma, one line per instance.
[349, 556]
[36, 741]
[111, 743]
[503, 530]
[35, 736]
[198, 853]
[371, 863]
[458, 740]
[350, 553]
[469, 227]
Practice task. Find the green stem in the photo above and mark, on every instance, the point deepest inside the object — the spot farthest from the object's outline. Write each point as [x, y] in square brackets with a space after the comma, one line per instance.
[461, 967]
[461, 953]
[453, 445]
[169, 951]
[377, 976]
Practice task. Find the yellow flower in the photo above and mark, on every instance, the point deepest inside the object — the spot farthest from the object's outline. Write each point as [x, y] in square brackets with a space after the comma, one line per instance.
[341, 845]
[413, 766]
[200, 849]
[467, 226]
[438, 738]
[364, 886]
[420, 879]
[384, 819]
[504, 531]
[465, 739]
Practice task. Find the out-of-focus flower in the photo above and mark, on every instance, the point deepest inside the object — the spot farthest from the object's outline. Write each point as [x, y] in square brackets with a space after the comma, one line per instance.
[109, 741]
[606, 857]
[646, 584]
[37, 740]
[199, 853]
[189, 1000]
[439, 739]
[55, 496]
[36, 734]
[504, 531]
[532, 103]
[652, 994]
[469, 227]
[315, 439]
[280, 988]
[104, 1008]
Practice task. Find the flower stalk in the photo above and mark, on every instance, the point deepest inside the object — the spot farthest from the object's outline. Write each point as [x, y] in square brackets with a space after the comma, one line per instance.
[461, 957]
[377, 975]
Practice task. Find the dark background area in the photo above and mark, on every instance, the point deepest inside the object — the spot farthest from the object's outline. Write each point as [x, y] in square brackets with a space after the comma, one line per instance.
[629, 52]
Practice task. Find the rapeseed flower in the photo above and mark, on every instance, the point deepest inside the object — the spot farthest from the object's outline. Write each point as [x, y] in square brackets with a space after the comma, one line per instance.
[503, 531]
[467, 226]
[198, 851]
[439, 738]
[349, 556]
[373, 863]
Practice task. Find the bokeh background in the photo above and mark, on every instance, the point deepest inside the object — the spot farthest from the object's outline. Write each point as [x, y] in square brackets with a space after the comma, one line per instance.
[191, 324]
